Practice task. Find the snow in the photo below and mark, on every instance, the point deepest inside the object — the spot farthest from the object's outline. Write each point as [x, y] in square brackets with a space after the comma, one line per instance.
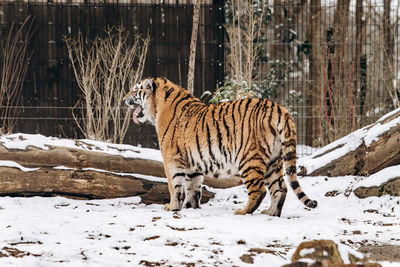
[123, 232]
[306, 251]
[7, 163]
[348, 143]
[22, 141]
[57, 231]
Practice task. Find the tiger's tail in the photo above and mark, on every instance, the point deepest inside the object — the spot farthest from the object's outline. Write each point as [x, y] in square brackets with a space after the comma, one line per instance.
[288, 139]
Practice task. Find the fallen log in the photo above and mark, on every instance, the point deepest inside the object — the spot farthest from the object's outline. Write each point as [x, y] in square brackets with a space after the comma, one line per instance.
[391, 187]
[33, 157]
[363, 152]
[385, 182]
[83, 184]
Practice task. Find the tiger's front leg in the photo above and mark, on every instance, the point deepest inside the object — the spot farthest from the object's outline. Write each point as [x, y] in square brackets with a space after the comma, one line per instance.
[185, 191]
[192, 189]
[176, 191]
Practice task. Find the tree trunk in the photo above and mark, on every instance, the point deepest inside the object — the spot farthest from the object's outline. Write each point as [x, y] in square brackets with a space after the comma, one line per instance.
[388, 34]
[277, 51]
[342, 106]
[367, 158]
[388, 67]
[314, 37]
[193, 42]
[88, 184]
[360, 71]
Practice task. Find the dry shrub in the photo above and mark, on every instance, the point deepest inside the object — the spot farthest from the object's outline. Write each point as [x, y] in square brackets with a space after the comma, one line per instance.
[382, 96]
[343, 107]
[245, 33]
[105, 69]
[337, 108]
[16, 56]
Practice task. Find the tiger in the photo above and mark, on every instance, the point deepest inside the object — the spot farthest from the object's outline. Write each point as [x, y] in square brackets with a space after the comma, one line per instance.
[252, 138]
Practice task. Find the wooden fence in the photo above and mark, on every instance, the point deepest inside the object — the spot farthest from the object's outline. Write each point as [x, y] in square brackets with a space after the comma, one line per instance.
[50, 89]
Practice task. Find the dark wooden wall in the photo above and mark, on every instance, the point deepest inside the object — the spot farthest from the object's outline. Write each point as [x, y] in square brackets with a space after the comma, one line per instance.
[50, 88]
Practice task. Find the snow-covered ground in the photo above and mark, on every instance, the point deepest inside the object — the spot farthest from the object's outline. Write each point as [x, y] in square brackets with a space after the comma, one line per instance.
[57, 231]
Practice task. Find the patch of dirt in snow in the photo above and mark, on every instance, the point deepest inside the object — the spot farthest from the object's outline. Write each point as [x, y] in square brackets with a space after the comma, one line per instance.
[249, 258]
[384, 252]
[15, 252]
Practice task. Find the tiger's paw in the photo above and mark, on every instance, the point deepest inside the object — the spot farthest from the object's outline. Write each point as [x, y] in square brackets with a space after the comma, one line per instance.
[265, 212]
[272, 212]
[268, 212]
[170, 207]
[240, 212]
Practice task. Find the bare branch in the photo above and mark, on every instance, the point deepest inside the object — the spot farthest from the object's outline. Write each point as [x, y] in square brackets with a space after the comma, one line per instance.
[244, 28]
[104, 69]
[13, 71]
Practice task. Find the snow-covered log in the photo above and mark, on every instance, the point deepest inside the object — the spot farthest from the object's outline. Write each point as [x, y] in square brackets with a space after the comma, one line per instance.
[40, 165]
[384, 182]
[54, 156]
[39, 151]
[86, 184]
[363, 152]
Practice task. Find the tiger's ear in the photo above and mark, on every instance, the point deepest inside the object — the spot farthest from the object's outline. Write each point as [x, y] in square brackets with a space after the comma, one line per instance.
[150, 85]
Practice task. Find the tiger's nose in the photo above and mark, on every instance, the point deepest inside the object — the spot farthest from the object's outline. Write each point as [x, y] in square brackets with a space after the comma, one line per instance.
[128, 101]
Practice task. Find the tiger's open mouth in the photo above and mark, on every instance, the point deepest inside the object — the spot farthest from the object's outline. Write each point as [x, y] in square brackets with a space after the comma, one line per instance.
[137, 113]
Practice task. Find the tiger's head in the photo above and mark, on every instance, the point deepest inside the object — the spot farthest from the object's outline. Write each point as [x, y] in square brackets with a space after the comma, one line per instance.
[141, 98]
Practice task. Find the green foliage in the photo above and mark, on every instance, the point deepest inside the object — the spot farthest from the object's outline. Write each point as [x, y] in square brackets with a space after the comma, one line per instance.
[231, 90]
[295, 99]
[274, 80]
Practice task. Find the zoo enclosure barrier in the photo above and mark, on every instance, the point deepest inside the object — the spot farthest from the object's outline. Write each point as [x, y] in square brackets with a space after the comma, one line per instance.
[335, 66]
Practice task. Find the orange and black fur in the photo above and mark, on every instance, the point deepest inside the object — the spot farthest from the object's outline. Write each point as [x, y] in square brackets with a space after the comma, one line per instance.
[252, 137]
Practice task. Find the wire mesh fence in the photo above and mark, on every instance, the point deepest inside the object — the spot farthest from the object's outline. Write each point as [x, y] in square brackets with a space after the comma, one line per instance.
[335, 65]
[50, 91]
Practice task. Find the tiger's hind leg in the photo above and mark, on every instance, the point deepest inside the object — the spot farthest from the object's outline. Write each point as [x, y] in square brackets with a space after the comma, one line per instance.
[277, 188]
[254, 181]
[192, 190]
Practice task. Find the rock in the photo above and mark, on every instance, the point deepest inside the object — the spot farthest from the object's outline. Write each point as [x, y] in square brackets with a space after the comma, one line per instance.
[317, 250]
[324, 253]
[391, 187]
